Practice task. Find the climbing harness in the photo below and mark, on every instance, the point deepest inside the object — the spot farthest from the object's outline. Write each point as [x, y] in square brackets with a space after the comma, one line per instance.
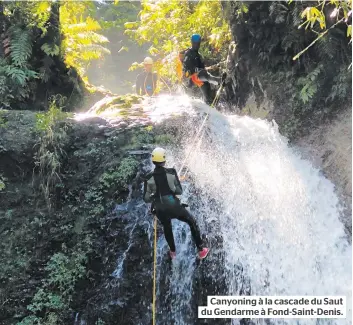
[153, 84]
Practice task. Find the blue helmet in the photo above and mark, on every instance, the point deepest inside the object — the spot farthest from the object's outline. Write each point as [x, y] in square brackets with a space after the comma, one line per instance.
[195, 38]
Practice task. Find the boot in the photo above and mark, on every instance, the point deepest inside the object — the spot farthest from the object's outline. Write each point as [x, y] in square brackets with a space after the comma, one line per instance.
[203, 253]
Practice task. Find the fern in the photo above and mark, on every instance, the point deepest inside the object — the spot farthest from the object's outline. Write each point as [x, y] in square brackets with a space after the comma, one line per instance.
[310, 84]
[82, 43]
[21, 46]
[341, 88]
[50, 49]
[17, 74]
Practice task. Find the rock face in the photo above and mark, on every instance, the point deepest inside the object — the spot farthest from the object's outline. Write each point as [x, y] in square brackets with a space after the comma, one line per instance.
[76, 237]
[303, 92]
[59, 218]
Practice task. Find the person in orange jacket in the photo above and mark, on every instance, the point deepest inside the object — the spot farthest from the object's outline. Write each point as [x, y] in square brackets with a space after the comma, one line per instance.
[194, 69]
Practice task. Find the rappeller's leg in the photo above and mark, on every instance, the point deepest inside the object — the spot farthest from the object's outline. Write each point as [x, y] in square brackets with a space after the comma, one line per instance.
[186, 217]
[168, 231]
[207, 78]
[207, 93]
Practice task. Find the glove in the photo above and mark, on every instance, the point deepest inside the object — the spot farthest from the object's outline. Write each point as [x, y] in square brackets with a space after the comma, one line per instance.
[182, 178]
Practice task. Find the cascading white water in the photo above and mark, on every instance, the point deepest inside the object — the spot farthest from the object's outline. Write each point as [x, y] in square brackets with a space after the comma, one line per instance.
[277, 215]
[280, 217]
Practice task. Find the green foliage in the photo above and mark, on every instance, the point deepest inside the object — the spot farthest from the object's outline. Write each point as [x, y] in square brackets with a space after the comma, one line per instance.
[45, 122]
[3, 121]
[141, 137]
[51, 141]
[21, 46]
[118, 103]
[2, 182]
[50, 49]
[42, 300]
[341, 87]
[168, 25]
[165, 139]
[30, 320]
[310, 84]
[121, 176]
[82, 42]
[316, 16]
[99, 322]
[14, 73]
[304, 91]
[64, 271]
[53, 298]
[31, 59]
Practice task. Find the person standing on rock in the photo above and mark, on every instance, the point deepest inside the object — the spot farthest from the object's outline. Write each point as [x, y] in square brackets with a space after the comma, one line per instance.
[146, 82]
[194, 69]
[160, 188]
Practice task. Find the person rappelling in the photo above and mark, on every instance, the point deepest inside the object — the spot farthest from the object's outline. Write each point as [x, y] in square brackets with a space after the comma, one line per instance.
[195, 72]
[161, 188]
[146, 82]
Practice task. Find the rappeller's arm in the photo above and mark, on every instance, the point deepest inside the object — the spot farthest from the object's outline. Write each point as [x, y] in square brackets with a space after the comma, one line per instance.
[178, 188]
[188, 65]
[147, 192]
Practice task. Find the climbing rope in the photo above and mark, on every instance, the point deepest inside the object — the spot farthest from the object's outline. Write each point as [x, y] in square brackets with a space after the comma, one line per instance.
[170, 91]
[215, 100]
[154, 273]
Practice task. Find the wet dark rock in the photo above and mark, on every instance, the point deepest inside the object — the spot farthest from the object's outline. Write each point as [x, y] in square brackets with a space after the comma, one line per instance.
[91, 210]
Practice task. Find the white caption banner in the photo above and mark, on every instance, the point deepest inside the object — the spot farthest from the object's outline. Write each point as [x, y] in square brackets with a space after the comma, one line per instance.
[274, 307]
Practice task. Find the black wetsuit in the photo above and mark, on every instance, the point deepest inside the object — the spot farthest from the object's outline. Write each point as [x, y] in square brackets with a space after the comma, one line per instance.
[193, 63]
[160, 187]
[146, 83]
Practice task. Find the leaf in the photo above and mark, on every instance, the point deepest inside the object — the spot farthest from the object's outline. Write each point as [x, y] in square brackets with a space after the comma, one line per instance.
[123, 48]
[244, 8]
[50, 49]
[129, 25]
[349, 31]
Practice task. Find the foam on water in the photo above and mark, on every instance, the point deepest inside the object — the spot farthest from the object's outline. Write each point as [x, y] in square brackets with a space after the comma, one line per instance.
[280, 215]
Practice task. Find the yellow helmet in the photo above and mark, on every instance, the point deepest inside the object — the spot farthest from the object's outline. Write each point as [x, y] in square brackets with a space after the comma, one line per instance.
[158, 155]
[148, 60]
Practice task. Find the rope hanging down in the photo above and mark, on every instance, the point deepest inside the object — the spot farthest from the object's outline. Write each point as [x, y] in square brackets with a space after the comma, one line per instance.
[154, 273]
[201, 128]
